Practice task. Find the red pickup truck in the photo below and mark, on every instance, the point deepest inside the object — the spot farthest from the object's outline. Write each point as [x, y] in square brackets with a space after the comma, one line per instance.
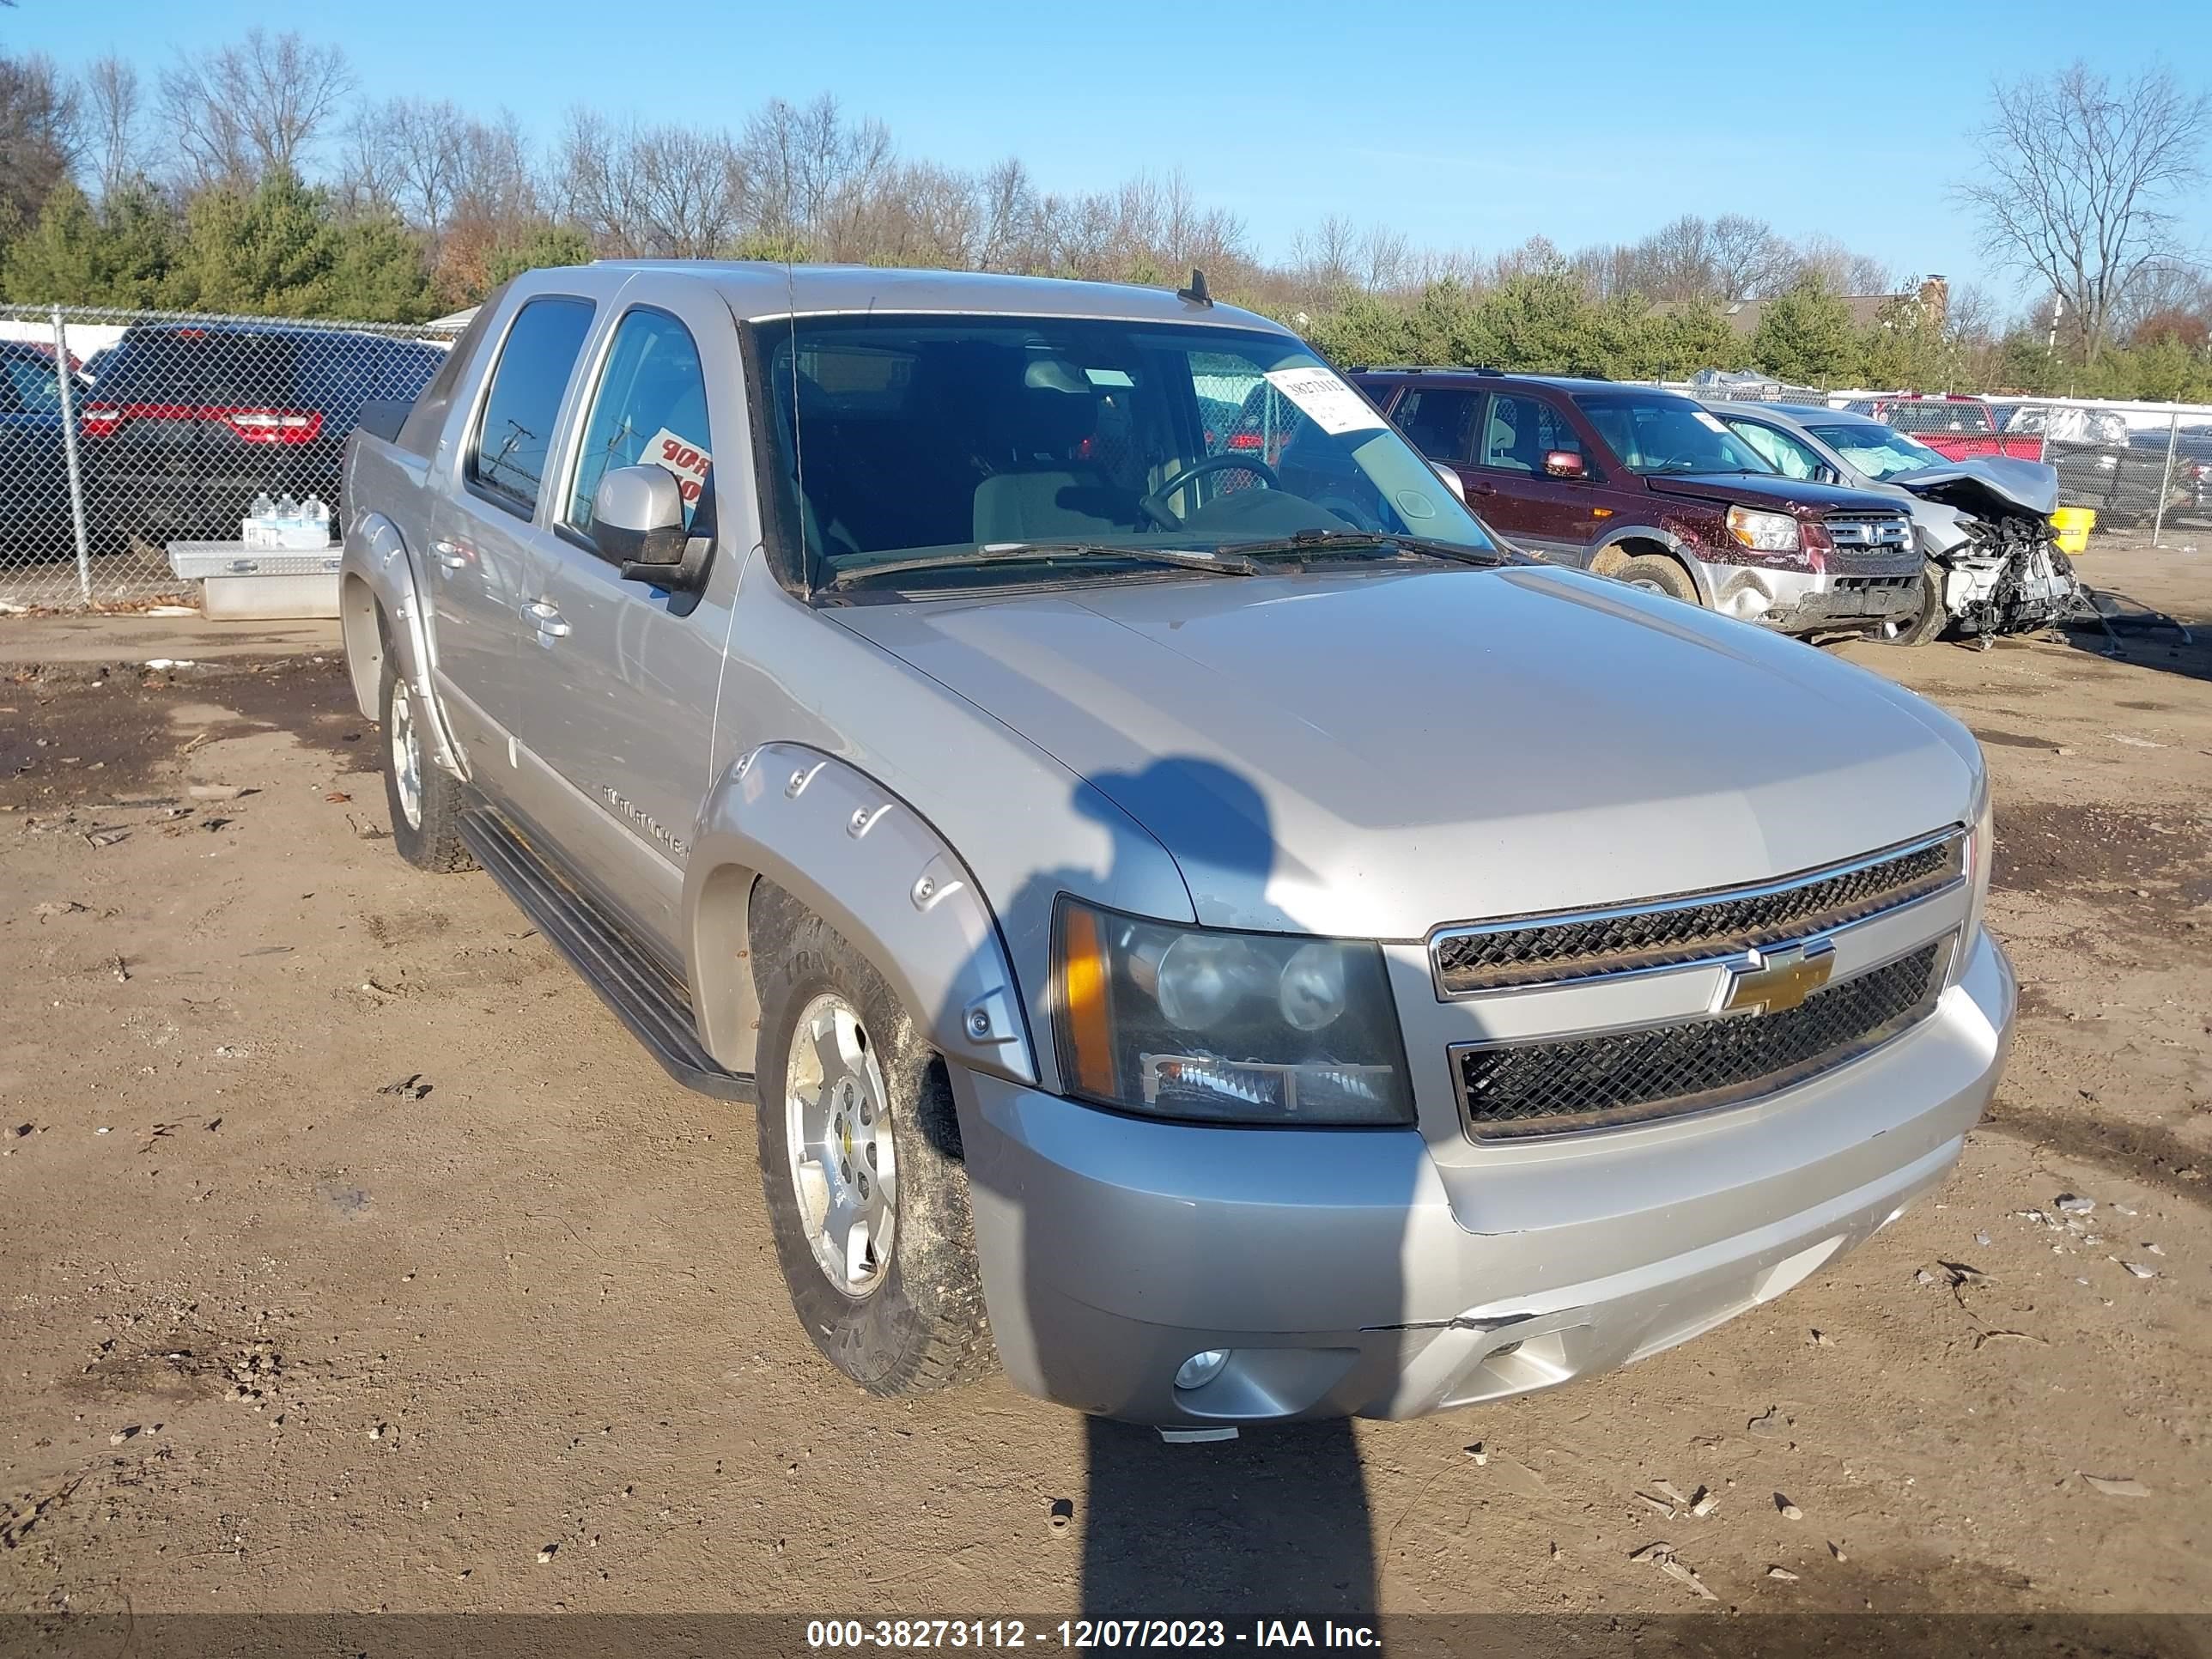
[1954, 425]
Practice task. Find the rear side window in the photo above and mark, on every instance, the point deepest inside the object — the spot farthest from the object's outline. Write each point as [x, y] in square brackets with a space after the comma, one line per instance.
[1439, 421]
[515, 433]
[650, 410]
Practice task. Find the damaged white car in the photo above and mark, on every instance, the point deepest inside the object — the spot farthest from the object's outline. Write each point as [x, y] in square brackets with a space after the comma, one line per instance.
[1994, 564]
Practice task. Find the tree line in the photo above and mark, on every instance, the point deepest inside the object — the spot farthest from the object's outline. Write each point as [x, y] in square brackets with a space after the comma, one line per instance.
[251, 178]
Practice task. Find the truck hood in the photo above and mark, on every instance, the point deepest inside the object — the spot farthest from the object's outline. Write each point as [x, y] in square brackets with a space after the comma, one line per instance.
[1990, 487]
[1768, 490]
[1372, 755]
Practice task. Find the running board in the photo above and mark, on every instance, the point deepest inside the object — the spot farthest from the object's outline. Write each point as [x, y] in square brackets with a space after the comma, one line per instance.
[628, 981]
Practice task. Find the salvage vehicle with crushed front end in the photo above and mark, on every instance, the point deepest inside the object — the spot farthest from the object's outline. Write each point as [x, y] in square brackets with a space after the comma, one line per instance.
[1201, 924]
[1994, 564]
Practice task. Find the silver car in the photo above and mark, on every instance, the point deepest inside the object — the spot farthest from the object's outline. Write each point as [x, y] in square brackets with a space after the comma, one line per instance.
[1983, 524]
[1202, 926]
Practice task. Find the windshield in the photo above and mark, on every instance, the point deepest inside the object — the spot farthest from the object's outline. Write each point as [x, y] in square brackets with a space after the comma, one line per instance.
[1663, 433]
[906, 438]
[1940, 415]
[1876, 450]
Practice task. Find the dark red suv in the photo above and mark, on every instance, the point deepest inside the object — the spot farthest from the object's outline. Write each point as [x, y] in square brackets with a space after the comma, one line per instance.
[1643, 484]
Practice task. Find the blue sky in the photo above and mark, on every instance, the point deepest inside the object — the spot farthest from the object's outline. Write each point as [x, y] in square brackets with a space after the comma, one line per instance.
[1469, 125]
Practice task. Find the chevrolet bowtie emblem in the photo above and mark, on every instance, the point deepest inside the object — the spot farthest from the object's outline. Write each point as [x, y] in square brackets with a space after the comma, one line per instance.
[1780, 978]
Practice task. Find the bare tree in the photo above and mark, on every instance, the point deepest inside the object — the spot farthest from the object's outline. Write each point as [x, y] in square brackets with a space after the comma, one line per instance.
[1838, 269]
[811, 172]
[115, 108]
[2077, 181]
[1385, 255]
[244, 110]
[40, 136]
[669, 192]
[1327, 256]
[1748, 259]
[1014, 231]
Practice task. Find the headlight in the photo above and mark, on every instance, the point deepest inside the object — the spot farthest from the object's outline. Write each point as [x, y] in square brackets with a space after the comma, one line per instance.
[1981, 849]
[1763, 532]
[1197, 1024]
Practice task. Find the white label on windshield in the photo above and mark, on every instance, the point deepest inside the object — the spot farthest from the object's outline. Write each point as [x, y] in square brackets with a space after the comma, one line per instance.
[1705, 418]
[686, 460]
[1331, 405]
[1109, 377]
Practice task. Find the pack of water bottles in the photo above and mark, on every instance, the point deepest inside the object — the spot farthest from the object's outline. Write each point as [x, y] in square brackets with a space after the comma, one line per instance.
[300, 526]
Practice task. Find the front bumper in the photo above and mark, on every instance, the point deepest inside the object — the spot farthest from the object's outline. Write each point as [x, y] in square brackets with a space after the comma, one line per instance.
[1355, 1273]
[1798, 602]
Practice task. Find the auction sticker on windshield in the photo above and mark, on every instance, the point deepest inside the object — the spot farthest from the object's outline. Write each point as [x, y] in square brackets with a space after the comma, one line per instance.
[1326, 401]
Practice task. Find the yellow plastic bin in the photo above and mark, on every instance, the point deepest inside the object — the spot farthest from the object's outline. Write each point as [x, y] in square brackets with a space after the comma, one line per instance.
[2073, 524]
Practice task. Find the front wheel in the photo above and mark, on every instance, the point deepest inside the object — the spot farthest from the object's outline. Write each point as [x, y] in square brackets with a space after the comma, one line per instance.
[860, 1164]
[1656, 573]
[1928, 621]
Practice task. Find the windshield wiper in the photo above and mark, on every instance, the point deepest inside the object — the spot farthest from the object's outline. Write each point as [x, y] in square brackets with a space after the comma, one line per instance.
[1034, 552]
[1323, 541]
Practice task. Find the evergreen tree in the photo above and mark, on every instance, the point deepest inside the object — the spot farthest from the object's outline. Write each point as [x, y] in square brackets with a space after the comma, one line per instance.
[1805, 337]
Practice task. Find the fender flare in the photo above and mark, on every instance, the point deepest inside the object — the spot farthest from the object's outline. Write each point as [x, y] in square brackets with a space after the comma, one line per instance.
[377, 573]
[872, 867]
[1684, 554]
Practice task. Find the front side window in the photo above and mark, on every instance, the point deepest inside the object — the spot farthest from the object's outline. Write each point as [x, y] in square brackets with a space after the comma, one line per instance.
[915, 437]
[1791, 458]
[1521, 431]
[1661, 434]
[650, 410]
[515, 433]
[1439, 420]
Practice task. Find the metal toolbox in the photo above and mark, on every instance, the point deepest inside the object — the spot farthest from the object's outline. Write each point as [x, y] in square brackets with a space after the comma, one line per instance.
[245, 583]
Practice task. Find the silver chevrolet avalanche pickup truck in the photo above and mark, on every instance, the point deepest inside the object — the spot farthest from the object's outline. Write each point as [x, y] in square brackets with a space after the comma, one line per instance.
[1203, 923]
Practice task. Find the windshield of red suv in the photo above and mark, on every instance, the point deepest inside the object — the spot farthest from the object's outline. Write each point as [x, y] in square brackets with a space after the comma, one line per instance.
[1659, 434]
[1939, 415]
[942, 438]
[1876, 450]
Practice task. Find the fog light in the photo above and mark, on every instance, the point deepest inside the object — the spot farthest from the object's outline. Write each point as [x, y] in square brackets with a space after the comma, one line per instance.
[1201, 1369]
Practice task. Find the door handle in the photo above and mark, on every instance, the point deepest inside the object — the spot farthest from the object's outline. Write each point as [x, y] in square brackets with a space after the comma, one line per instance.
[1478, 488]
[450, 556]
[547, 616]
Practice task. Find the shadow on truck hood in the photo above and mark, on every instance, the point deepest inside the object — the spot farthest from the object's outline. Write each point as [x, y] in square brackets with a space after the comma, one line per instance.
[1432, 746]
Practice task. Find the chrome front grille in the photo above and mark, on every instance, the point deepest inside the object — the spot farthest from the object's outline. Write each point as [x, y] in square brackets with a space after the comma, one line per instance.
[1558, 1087]
[1868, 531]
[1550, 949]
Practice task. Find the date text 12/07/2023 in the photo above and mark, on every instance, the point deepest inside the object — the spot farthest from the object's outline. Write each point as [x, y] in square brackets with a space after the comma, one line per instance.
[1084, 1635]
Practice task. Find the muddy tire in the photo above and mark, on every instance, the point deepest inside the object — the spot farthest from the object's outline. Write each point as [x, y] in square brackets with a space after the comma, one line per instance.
[425, 800]
[860, 1164]
[1658, 574]
[1927, 623]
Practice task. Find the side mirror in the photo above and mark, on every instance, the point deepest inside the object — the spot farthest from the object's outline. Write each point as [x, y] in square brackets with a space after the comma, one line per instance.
[1564, 464]
[1826, 475]
[637, 523]
[1452, 481]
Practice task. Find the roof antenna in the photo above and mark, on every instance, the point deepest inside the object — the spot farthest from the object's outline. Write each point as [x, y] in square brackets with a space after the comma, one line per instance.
[1196, 293]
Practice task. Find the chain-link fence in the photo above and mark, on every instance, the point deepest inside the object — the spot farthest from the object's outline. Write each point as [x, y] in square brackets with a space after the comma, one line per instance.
[2136, 465]
[122, 432]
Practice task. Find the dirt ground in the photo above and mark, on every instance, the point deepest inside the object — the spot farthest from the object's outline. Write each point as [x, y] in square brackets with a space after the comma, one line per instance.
[356, 1258]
